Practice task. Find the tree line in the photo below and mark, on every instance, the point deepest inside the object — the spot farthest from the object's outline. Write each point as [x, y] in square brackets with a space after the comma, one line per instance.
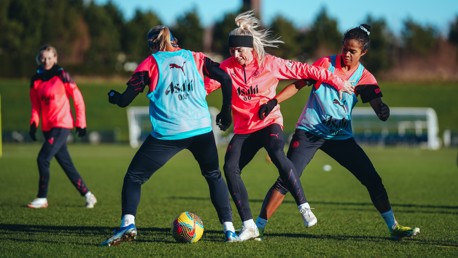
[97, 40]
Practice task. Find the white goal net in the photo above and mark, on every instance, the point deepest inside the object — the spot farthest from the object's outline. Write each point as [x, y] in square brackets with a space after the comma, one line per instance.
[416, 126]
[406, 127]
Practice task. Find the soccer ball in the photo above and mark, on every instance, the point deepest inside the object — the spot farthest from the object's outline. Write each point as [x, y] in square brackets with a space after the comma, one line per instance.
[187, 228]
[327, 168]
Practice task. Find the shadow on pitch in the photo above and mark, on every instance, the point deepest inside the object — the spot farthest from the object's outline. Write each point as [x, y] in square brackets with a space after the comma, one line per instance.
[407, 208]
[79, 235]
[84, 235]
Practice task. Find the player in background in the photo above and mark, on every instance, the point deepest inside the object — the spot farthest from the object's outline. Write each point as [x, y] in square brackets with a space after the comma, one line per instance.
[50, 90]
[255, 76]
[325, 123]
[180, 120]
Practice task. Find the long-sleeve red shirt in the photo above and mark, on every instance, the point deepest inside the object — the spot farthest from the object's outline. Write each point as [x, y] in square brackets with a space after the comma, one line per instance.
[49, 94]
[254, 85]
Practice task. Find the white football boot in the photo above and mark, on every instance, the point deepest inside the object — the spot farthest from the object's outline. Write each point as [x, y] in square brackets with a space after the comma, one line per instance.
[248, 233]
[38, 203]
[90, 200]
[308, 217]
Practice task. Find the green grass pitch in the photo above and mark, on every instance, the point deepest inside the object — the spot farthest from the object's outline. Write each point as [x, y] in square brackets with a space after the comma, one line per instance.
[422, 185]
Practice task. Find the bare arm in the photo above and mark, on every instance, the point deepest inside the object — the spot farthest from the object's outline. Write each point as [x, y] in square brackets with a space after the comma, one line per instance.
[291, 89]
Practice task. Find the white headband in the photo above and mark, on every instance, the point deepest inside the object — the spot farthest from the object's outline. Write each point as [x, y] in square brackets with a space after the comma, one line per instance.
[365, 30]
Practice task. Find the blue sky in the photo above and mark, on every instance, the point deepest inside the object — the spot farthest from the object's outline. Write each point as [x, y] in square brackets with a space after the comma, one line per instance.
[439, 13]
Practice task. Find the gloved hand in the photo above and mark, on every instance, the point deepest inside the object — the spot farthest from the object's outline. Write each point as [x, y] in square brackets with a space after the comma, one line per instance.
[113, 96]
[384, 112]
[33, 131]
[224, 118]
[309, 82]
[265, 109]
[81, 131]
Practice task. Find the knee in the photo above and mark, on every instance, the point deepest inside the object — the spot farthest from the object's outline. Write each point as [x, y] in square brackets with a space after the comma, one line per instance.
[230, 168]
[280, 187]
[42, 161]
[371, 176]
[277, 143]
[231, 171]
[212, 174]
[376, 185]
[277, 153]
[134, 178]
[373, 183]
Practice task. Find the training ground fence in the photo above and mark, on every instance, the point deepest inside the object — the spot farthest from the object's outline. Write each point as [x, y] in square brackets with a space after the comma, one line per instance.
[407, 126]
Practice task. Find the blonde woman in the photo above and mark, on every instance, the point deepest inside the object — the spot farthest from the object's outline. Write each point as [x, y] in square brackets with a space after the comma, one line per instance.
[50, 90]
[255, 76]
[180, 120]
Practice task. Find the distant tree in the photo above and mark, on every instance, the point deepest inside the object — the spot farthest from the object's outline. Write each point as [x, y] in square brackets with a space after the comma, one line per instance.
[418, 39]
[19, 23]
[134, 36]
[189, 31]
[289, 34]
[26, 25]
[117, 18]
[323, 37]
[64, 27]
[247, 5]
[116, 14]
[453, 32]
[221, 31]
[102, 55]
[379, 57]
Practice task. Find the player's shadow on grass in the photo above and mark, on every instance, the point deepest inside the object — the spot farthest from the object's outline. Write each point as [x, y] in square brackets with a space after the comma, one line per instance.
[216, 236]
[84, 235]
[406, 208]
[417, 239]
[79, 235]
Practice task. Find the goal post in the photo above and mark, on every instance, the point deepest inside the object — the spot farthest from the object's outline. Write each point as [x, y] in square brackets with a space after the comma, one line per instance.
[406, 126]
[140, 125]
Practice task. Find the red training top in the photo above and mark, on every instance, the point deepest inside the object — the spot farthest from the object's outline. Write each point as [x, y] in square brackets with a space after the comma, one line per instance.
[254, 85]
[49, 94]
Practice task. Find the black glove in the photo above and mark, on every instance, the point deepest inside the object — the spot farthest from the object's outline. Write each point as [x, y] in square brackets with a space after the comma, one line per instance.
[264, 109]
[33, 131]
[384, 112]
[309, 82]
[113, 96]
[81, 131]
[224, 118]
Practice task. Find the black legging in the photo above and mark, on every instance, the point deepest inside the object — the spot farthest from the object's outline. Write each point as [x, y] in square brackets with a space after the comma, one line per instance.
[55, 145]
[348, 153]
[241, 151]
[154, 153]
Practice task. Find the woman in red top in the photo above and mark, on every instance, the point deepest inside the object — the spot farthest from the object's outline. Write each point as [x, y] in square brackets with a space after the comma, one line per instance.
[255, 76]
[50, 90]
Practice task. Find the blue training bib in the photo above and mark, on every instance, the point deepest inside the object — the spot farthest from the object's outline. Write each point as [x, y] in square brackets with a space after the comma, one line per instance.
[325, 115]
[178, 108]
